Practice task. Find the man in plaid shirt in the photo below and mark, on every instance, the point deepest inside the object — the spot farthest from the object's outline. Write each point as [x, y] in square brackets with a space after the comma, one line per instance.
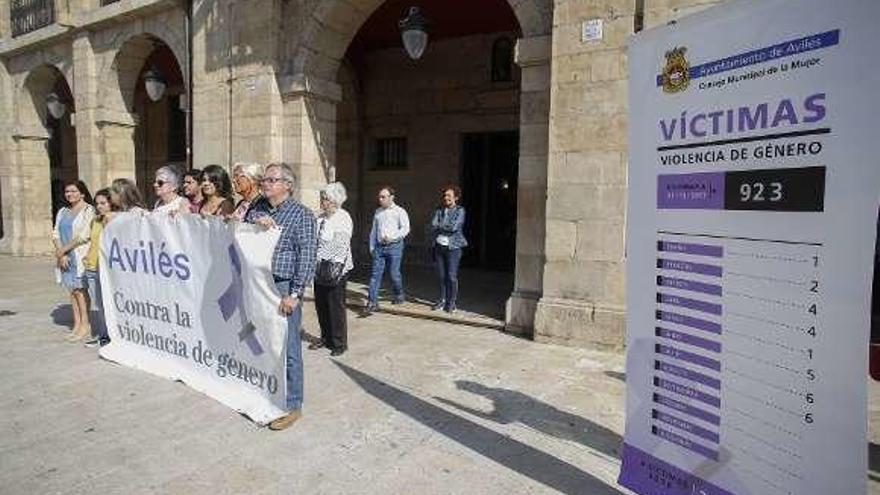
[293, 265]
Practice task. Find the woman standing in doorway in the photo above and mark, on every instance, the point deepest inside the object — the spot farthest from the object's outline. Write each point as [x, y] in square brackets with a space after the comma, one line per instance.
[217, 191]
[447, 234]
[71, 239]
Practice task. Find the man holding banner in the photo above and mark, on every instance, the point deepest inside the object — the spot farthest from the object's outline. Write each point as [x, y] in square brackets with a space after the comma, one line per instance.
[293, 266]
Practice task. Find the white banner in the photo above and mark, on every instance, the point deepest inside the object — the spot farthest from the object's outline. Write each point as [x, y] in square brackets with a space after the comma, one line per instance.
[753, 190]
[193, 299]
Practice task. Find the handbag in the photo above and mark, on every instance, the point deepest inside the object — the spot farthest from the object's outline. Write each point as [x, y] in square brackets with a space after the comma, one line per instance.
[329, 273]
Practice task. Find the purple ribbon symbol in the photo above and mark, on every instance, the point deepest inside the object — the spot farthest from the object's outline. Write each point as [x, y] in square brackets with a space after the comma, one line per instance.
[231, 299]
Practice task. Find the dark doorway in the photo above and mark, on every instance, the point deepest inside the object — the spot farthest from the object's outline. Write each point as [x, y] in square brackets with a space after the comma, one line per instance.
[62, 158]
[160, 136]
[490, 163]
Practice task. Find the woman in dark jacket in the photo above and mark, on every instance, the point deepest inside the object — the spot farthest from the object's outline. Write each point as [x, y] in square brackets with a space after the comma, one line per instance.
[447, 239]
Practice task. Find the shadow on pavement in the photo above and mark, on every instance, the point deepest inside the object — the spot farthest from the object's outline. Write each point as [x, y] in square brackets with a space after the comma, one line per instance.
[510, 453]
[62, 315]
[616, 375]
[510, 406]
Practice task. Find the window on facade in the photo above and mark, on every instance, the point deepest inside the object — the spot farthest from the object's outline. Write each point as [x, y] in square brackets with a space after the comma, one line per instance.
[391, 152]
[502, 60]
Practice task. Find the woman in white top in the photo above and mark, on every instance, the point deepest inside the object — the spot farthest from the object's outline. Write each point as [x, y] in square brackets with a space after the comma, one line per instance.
[166, 185]
[71, 239]
[334, 263]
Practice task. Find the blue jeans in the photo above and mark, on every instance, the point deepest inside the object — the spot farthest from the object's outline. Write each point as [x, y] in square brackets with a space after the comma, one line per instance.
[392, 254]
[96, 312]
[447, 260]
[294, 351]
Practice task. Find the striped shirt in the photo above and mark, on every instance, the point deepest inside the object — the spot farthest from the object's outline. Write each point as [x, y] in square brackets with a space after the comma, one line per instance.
[295, 253]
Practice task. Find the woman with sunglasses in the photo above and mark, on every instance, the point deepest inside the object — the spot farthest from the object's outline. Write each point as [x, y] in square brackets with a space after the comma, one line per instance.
[217, 191]
[166, 185]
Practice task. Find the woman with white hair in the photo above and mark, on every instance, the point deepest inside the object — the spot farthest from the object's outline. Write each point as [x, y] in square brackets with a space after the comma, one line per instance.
[168, 181]
[246, 182]
[334, 263]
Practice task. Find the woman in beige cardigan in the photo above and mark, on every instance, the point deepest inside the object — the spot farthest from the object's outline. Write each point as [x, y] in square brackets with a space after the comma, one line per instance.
[71, 239]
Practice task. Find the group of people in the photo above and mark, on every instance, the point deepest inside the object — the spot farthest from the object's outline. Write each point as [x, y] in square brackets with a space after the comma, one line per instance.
[312, 247]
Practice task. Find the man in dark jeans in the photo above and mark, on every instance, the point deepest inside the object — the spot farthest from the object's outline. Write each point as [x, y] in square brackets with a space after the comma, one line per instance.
[293, 265]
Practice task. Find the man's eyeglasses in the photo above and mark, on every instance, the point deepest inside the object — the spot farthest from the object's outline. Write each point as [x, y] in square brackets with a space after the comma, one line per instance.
[271, 180]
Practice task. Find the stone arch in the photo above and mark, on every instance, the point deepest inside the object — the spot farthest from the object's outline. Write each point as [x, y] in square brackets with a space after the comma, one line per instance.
[126, 67]
[310, 90]
[327, 32]
[30, 220]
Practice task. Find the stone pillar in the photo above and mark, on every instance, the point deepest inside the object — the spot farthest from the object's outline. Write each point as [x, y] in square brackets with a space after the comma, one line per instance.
[310, 133]
[29, 221]
[117, 148]
[533, 57]
[583, 300]
[8, 182]
[89, 156]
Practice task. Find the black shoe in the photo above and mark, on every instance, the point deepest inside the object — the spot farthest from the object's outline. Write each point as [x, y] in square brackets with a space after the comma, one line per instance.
[450, 309]
[337, 352]
[92, 343]
[371, 308]
[315, 346]
[438, 305]
[398, 301]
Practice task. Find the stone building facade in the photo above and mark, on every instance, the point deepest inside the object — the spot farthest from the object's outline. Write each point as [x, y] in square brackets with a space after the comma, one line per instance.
[323, 85]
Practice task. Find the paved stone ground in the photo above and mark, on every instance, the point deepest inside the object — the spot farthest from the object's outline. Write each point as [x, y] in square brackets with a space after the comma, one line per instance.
[416, 406]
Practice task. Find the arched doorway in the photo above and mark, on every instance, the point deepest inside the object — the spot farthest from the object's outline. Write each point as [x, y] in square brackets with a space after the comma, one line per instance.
[320, 123]
[451, 117]
[43, 149]
[160, 133]
[50, 116]
[62, 141]
[144, 129]
[346, 131]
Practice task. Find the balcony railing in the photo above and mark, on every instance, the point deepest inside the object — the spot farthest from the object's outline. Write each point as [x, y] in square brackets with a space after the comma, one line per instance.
[108, 2]
[30, 15]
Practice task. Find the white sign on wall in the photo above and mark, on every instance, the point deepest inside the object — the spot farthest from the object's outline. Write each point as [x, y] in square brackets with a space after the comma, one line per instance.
[754, 181]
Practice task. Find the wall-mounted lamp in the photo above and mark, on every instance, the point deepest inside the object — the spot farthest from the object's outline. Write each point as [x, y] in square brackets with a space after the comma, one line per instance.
[55, 106]
[154, 83]
[414, 32]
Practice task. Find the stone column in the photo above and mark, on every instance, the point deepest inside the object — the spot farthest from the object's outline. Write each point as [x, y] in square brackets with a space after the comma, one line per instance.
[7, 168]
[533, 57]
[310, 133]
[117, 148]
[29, 219]
[583, 301]
[89, 158]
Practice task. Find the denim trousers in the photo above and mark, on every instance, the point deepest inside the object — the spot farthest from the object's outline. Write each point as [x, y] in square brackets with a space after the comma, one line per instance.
[92, 281]
[447, 260]
[392, 255]
[294, 351]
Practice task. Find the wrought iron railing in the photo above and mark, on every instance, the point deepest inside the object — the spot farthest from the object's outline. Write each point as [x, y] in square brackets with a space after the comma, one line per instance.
[30, 15]
[108, 2]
